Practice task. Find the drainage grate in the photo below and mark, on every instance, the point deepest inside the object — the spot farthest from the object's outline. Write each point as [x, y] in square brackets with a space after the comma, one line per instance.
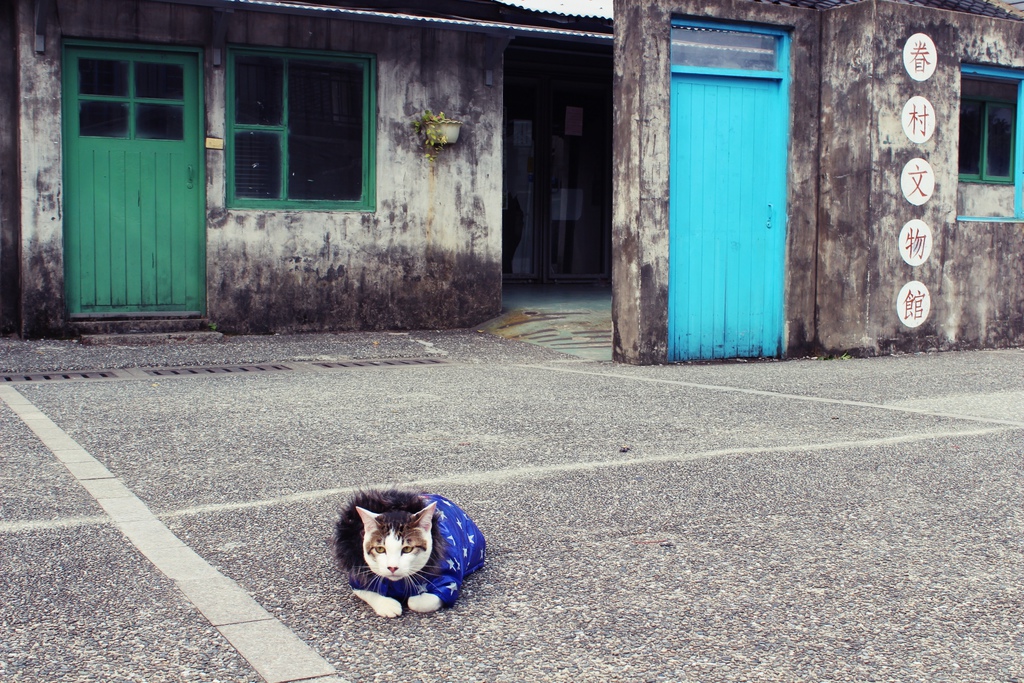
[214, 370]
[382, 363]
[218, 370]
[56, 376]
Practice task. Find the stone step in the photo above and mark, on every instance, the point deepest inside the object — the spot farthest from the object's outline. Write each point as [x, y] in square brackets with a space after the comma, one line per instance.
[146, 330]
[151, 338]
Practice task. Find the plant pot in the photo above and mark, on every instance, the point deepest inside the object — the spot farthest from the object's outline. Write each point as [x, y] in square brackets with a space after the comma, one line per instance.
[449, 129]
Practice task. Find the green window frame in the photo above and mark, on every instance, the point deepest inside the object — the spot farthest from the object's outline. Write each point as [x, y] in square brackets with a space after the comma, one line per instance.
[988, 123]
[301, 130]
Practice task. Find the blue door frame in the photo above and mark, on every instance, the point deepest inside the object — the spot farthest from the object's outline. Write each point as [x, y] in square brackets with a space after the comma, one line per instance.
[727, 207]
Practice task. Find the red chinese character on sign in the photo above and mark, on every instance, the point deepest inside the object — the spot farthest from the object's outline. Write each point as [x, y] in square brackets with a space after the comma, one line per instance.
[919, 121]
[913, 305]
[917, 176]
[920, 54]
[916, 241]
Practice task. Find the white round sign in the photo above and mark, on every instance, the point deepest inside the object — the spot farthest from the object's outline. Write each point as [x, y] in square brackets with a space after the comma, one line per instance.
[913, 304]
[915, 242]
[917, 181]
[918, 119]
[919, 56]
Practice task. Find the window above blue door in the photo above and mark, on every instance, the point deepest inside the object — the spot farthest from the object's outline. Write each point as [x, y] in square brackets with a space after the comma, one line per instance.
[717, 49]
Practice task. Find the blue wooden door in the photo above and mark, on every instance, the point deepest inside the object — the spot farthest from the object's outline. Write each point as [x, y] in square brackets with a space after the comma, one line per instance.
[727, 216]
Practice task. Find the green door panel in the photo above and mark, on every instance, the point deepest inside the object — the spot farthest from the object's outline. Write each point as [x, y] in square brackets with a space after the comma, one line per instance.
[134, 229]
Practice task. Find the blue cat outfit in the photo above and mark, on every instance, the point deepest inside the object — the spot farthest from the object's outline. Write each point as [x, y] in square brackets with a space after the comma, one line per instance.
[463, 555]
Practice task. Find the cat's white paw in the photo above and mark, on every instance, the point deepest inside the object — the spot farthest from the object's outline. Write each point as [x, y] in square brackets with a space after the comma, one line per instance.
[389, 610]
[386, 607]
[425, 602]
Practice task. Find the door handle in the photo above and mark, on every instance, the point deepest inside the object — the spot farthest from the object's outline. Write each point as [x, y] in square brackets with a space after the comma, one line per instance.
[191, 176]
[768, 223]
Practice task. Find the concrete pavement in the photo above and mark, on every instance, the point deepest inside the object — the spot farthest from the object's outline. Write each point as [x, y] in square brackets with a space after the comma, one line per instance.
[808, 520]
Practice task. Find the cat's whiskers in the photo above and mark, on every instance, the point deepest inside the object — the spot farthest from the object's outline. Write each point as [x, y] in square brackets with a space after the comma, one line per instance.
[370, 579]
[416, 582]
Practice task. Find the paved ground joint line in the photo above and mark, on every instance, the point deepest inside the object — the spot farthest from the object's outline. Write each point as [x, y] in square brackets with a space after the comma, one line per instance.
[538, 471]
[270, 647]
[778, 394]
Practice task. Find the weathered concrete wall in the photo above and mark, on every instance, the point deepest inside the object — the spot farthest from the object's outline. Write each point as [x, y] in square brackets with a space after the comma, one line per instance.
[846, 208]
[864, 150]
[982, 286]
[10, 231]
[640, 137]
[976, 199]
[845, 238]
[641, 169]
[39, 146]
[428, 256]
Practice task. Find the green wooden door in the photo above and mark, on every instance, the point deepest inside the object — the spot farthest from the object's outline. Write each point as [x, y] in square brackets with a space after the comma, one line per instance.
[134, 239]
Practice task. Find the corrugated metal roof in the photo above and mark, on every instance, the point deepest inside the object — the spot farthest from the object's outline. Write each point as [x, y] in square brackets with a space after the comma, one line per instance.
[398, 18]
[592, 9]
[601, 9]
[987, 8]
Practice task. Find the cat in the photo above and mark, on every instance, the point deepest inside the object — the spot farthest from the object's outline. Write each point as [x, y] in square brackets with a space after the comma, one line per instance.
[399, 545]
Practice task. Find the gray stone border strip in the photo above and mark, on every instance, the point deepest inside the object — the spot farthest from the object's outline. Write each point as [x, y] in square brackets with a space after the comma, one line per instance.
[270, 647]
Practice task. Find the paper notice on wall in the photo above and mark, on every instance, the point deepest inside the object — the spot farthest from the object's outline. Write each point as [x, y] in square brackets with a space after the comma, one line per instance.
[522, 133]
[574, 120]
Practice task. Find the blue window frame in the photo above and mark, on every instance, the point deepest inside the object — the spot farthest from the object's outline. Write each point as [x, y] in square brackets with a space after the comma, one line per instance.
[991, 149]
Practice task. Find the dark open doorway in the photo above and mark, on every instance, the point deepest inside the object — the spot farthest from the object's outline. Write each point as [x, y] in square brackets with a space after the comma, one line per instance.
[557, 169]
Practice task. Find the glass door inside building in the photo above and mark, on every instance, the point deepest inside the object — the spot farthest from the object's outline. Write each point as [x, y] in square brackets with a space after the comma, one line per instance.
[556, 219]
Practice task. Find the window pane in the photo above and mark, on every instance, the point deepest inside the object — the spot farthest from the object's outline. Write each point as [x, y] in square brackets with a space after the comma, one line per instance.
[1000, 136]
[970, 138]
[159, 122]
[258, 90]
[103, 119]
[723, 49]
[325, 130]
[103, 77]
[159, 81]
[988, 89]
[258, 165]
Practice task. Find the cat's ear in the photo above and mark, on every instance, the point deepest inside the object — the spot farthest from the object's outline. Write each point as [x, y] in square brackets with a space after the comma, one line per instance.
[369, 518]
[425, 517]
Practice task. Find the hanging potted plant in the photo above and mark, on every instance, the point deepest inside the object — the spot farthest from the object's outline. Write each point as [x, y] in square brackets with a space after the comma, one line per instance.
[437, 130]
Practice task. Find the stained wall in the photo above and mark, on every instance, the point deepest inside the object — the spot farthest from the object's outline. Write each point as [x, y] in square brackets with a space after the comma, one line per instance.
[10, 223]
[846, 204]
[428, 255]
[972, 275]
[642, 116]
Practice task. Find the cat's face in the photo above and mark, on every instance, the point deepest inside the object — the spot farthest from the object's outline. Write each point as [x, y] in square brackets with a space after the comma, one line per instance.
[397, 546]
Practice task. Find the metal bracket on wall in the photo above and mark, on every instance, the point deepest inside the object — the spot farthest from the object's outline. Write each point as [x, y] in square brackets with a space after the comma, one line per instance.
[220, 33]
[43, 9]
